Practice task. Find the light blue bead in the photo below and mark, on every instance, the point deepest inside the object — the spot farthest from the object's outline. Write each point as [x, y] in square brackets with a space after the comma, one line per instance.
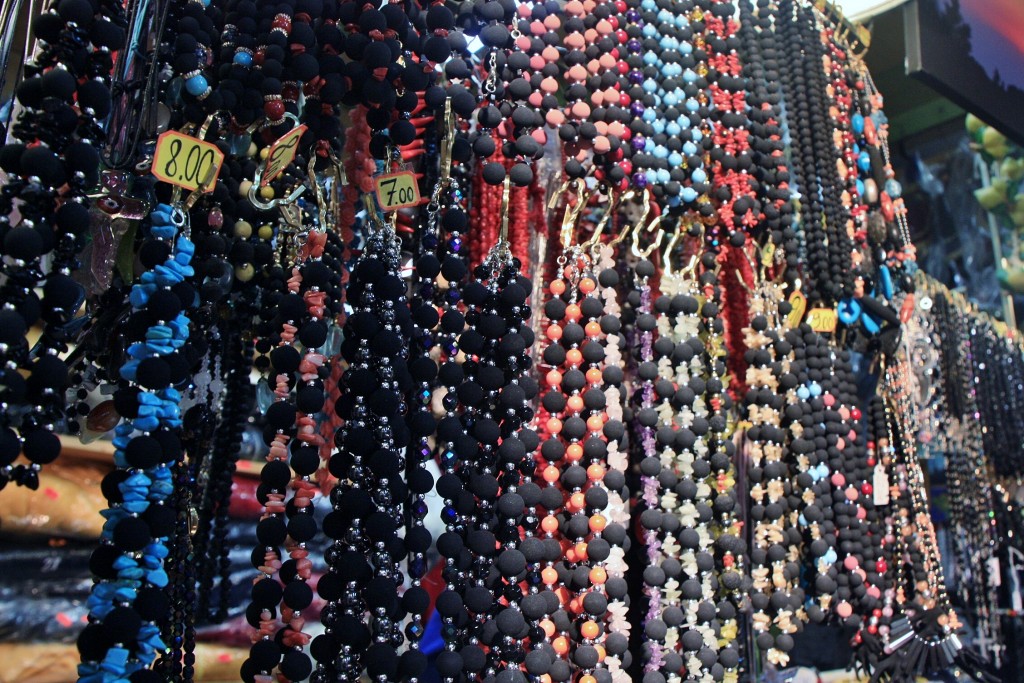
[242, 58]
[196, 85]
[663, 175]
[699, 176]
[688, 195]
[815, 389]
[893, 188]
[673, 128]
[689, 148]
[864, 162]
[803, 393]
[857, 121]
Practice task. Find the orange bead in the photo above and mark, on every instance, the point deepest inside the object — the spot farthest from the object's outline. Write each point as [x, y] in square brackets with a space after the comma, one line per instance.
[546, 678]
[577, 501]
[597, 523]
[595, 472]
[601, 653]
[594, 376]
[551, 474]
[549, 576]
[581, 550]
[549, 524]
[554, 425]
[575, 403]
[590, 630]
[570, 556]
[561, 645]
[553, 378]
[587, 285]
[557, 287]
[554, 332]
[595, 422]
[587, 679]
[548, 626]
[598, 576]
[572, 312]
[593, 328]
[573, 358]
[574, 452]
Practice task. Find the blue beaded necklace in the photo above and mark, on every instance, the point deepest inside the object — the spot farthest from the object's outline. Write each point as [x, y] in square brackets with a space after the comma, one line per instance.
[120, 626]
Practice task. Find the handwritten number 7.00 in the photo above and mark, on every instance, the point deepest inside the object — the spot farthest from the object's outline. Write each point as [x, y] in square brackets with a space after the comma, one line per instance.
[397, 195]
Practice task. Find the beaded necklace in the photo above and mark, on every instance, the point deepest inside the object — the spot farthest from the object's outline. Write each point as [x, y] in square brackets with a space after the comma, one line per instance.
[363, 562]
[50, 169]
[127, 604]
[773, 566]
[675, 76]
[727, 527]
[808, 443]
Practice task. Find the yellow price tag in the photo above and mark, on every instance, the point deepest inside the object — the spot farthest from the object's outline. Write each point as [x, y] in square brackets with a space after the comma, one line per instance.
[397, 190]
[822, 319]
[282, 154]
[186, 161]
[799, 303]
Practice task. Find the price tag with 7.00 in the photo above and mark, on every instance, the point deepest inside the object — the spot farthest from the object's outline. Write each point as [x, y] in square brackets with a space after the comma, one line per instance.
[281, 154]
[397, 190]
[186, 161]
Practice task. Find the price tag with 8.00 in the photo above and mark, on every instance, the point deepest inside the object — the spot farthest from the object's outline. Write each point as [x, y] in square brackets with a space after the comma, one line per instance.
[186, 161]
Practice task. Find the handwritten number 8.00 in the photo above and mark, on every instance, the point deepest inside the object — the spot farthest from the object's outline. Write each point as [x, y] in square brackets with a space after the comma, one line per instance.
[196, 160]
[399, 195]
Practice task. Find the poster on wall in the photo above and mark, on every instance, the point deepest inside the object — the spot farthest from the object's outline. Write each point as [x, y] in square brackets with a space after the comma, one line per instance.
[972, 51]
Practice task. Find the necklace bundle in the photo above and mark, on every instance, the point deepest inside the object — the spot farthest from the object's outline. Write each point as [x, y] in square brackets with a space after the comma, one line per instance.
[727, 525]
[764, 96]
[363, 567]
[808, 444]
[674, 108]
[773, 553]
[686, 609]
[127, 603]
[50, 170]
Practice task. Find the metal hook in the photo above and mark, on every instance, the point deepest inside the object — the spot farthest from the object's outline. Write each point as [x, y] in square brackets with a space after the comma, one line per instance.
[506, 191]
[276, 202]
[595, 239]
[321, 201]
[447, 142]
[572, 213]
[660, 235]
[194, 196]
[668, 251]
[643, 217]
